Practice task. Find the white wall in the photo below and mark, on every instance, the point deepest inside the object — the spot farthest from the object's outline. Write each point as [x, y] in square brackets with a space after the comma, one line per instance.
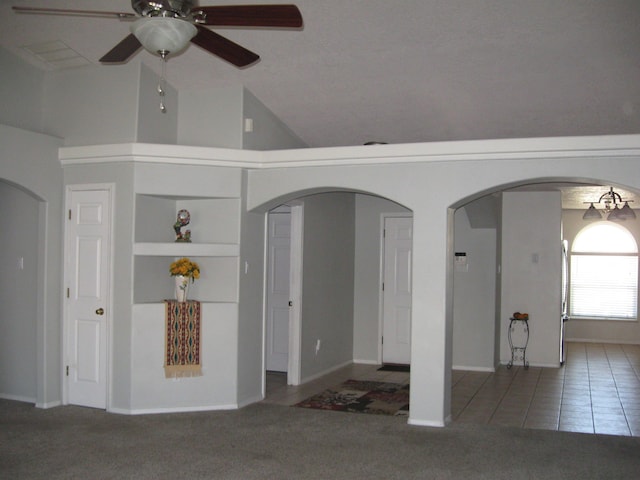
[327, 282]
[598, 330]
[531, 272]
[366, 301]
[18, 294]
[474, 305]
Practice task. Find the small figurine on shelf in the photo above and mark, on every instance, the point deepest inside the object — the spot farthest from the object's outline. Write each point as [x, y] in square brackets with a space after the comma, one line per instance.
[183, 220]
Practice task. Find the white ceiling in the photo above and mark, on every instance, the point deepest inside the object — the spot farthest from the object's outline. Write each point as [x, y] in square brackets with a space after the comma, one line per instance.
[404, 71]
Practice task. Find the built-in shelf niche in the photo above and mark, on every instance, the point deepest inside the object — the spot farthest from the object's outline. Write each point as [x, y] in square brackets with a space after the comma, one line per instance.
[218, 280]
[213, 220]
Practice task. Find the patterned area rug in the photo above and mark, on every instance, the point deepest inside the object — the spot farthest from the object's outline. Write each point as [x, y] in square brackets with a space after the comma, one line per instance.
[362, 397]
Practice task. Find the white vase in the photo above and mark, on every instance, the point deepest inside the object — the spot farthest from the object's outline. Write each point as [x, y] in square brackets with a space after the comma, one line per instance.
[182, 287]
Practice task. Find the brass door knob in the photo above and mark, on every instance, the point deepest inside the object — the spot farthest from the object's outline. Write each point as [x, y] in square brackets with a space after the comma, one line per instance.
[100, 311]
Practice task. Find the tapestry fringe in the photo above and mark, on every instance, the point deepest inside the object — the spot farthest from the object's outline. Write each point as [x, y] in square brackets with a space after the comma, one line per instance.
[182, 371]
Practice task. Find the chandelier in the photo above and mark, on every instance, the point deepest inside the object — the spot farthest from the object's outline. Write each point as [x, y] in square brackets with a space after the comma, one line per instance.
[611, 206]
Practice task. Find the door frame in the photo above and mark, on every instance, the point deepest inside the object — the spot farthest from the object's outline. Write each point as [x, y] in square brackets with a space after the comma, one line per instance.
[67, 275]
[381, 278]
[271, 265]
[294, 372]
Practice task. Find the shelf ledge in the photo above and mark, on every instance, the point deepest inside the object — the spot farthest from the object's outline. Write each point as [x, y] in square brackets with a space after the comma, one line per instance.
[186, 249]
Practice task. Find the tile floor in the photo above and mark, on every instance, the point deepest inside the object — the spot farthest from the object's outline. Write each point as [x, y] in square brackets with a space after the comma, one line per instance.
[596, 391]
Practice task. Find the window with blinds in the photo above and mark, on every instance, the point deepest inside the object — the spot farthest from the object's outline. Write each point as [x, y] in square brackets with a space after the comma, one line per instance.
[604, 273]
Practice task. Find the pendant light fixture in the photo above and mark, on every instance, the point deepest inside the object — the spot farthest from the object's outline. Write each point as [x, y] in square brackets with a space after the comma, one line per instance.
[612, 208]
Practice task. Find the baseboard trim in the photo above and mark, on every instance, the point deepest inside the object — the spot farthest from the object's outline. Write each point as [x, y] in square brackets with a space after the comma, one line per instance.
[365, 362]
[153, 411]
[426, 423]
[532, 364]
[56, 403]
[590, 340]
[18, 398]
[325, 372]
[474, 369]
[250, 401]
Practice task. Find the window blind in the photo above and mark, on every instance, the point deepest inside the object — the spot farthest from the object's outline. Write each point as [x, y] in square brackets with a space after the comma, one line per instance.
[604, 286]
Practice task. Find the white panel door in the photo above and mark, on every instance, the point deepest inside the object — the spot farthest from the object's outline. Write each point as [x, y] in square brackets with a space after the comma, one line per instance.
[396, 346]
[279, 241]
[87, 275]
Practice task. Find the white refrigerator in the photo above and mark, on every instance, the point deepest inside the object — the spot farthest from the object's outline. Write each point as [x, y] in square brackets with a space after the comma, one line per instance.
[564, 317]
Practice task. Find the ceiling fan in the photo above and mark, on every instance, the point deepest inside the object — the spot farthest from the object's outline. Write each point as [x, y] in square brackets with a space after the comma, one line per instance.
[165, 27]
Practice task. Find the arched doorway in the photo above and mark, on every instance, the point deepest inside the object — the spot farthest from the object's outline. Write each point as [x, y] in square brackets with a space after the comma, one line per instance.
[342, 306]
[19, 293]
[472, 228]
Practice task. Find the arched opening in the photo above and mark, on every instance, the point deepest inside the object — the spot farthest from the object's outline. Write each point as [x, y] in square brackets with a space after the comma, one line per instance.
[509, 240]
[341, 304]
[20, 293]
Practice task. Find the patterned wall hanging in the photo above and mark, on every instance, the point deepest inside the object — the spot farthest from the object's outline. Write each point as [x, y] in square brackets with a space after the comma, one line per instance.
[182, 339]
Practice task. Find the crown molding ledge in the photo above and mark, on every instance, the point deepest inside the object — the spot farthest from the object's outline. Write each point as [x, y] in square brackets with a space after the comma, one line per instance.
[504, 149]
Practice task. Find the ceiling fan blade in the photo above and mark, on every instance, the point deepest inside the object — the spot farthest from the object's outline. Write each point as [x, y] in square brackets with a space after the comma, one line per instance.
[224, 48]
[122, 51]
[79, 13]
[251, 16]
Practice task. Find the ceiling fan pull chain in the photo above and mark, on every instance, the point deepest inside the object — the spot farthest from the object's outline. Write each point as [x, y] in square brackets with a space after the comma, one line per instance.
[161, 83]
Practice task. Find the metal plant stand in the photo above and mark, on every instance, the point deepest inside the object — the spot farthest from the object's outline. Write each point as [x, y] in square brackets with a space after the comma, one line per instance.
[519, 352]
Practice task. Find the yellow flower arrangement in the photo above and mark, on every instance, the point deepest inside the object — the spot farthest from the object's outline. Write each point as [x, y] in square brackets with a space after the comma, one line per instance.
[185, 267]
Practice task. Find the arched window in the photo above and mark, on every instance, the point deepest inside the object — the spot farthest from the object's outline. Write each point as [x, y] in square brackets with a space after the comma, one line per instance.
[604, 273]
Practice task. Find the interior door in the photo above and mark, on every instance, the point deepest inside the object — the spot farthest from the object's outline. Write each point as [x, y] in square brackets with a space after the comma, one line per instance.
[88, 238]
[279, 247]
[396, 331]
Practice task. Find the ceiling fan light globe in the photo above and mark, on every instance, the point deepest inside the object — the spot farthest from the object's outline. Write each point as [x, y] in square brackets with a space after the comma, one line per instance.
[163, 34]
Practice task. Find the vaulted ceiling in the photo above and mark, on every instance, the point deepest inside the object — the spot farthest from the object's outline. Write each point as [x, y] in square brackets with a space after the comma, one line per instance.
[403, 71]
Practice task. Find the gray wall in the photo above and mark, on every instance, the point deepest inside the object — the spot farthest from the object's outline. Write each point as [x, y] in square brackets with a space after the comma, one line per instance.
[215, 118]
[474, 305]
[531, 271]
[31, 160]
[250, 309]
[366, 301]
[92, 105]
[21, 93]
[269, 133]
[122, 176]
[599, 330]
[327, 282]
[18, 294]
[153, 126]
[211, 118]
